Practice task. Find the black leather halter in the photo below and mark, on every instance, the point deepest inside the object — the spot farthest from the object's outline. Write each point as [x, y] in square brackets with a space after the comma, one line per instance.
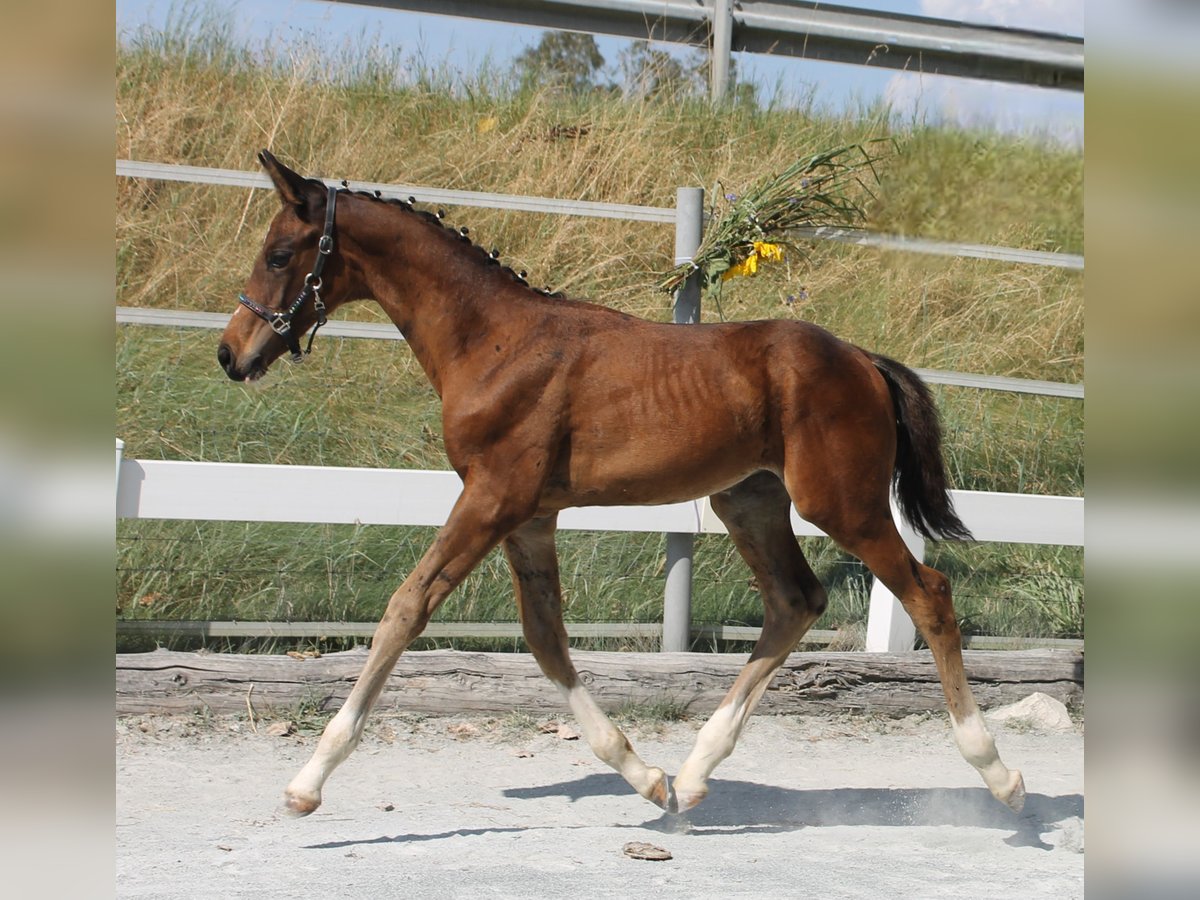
[281, 320]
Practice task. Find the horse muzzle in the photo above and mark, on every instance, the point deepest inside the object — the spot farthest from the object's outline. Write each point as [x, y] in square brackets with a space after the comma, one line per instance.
[250, 371]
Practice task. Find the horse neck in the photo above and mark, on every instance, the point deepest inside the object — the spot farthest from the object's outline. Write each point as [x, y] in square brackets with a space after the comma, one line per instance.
[438, 289]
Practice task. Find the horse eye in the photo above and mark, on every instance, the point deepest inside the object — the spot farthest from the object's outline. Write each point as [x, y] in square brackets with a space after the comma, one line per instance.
[279, 259]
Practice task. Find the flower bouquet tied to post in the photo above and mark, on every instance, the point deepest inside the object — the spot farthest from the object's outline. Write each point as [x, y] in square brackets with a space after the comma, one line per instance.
[745, 231]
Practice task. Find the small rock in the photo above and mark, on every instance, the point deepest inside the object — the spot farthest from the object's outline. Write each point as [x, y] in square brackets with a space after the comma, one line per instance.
[567, 733]
[386, 806]
[386, 733]
[1038, 710]
[642, 850]
[224, 847]
[522, 754]
[281, 729]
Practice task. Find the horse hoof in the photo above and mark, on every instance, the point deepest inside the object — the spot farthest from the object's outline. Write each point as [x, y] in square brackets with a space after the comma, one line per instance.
[1015, 800]
[297, 807]
[685, 800]
[660, 793]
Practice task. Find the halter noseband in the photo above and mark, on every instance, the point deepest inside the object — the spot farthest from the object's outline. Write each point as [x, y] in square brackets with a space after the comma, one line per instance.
[281, 321]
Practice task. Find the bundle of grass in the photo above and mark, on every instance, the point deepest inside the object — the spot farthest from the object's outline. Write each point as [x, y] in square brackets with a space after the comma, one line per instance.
[760, 225]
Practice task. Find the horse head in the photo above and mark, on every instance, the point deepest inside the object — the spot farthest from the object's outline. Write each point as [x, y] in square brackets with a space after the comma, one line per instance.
[295, 280]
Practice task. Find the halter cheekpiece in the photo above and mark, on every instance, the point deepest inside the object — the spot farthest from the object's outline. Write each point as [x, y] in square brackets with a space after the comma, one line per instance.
[281, 320]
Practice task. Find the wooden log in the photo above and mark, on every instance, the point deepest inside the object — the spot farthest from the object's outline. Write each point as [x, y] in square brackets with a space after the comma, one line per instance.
[452, 682]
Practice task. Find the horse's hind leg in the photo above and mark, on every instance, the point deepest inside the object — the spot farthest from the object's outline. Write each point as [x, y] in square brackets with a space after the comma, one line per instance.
[756, 512]
[925, 594]
[534, 563]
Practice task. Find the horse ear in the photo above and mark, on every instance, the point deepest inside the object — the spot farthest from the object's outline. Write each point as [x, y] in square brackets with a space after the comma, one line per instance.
[306, 194]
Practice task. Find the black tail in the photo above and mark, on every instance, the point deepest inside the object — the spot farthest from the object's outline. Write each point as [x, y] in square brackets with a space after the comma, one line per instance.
[920, 475]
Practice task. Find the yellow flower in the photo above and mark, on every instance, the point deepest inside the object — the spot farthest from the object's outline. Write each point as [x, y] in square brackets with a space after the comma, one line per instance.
[483, 126]
[747, 267]
[763, 252]
[768, 252]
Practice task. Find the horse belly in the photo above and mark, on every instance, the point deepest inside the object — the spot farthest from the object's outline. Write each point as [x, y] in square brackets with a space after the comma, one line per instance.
[618, 460]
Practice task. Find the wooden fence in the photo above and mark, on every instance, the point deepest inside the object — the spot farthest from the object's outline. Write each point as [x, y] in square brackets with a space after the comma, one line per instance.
[444, 682]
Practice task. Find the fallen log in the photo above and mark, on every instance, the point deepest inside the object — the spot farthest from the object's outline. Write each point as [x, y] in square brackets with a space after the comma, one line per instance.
[452, 682]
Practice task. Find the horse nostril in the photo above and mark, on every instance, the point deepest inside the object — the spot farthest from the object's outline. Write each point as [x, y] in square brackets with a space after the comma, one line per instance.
[225, 358]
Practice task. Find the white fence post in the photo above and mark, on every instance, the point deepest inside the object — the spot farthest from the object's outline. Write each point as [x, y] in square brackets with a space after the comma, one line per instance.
[677, 596]
[889, 628]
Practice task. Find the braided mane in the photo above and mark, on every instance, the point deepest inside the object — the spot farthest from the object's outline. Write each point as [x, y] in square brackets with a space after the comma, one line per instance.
[490, 257]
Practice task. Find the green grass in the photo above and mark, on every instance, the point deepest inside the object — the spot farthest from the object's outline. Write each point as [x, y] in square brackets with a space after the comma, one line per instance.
[194, 96]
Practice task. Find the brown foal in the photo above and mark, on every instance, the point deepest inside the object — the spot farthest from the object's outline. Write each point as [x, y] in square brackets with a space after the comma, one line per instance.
[550, 403]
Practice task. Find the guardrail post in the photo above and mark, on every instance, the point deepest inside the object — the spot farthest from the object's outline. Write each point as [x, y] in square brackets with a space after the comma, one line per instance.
[720, 41]
[889, 628]
[677, 597]
[689, 229]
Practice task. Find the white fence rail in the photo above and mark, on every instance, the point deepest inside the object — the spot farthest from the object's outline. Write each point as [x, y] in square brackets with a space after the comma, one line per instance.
[157, 489]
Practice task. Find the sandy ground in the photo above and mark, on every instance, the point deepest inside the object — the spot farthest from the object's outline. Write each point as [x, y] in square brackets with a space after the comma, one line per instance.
[487, 807]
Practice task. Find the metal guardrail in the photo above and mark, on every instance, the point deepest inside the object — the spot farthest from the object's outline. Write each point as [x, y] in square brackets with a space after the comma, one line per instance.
[945, 248]
[235, 178]
[179, 318]
[804, 30]
[130, 315]
[665, 214]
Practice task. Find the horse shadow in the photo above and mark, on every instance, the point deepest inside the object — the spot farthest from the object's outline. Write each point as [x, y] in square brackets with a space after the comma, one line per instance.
[745, 807]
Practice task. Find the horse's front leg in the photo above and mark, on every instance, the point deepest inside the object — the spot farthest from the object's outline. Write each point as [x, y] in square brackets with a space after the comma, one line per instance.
[477, 523]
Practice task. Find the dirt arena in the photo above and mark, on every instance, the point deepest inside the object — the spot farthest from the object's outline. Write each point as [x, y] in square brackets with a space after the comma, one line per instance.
[485, 806]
